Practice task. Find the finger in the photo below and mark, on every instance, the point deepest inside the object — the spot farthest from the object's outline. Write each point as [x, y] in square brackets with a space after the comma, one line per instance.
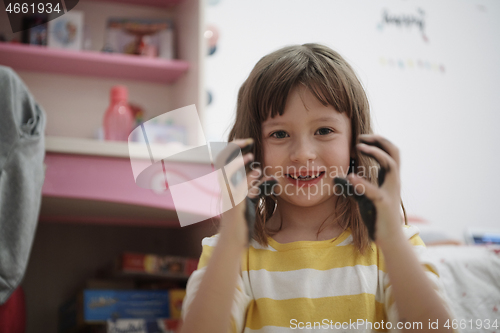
[382, 143]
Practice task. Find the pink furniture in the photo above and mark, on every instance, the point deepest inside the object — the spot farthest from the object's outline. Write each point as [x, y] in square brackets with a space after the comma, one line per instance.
[99, 189]
[13, 313]
[87, 63]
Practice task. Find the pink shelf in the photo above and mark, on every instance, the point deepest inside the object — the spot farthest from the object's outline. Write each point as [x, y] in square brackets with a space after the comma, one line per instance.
[87, 63]
[152, 3]
[102, 190]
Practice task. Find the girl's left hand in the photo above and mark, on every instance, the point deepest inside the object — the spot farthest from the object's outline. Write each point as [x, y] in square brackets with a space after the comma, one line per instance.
[386, 198]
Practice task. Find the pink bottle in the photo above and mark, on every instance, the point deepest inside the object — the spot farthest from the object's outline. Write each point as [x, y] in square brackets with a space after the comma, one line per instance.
[118, 119]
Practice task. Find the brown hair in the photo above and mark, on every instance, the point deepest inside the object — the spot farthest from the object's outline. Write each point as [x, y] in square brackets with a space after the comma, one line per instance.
[333, 82]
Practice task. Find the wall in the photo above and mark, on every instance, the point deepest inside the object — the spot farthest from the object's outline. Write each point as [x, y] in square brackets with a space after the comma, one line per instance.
[433, 91]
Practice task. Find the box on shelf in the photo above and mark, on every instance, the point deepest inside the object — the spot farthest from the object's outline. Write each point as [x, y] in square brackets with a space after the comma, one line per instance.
[99, 305]
[146, 37]
[142, 326]
[91, 308]
[66, 31]
[155, 265]
[176, 297]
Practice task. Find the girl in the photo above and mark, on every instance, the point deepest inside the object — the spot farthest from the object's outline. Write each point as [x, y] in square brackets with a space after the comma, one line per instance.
[311, 263]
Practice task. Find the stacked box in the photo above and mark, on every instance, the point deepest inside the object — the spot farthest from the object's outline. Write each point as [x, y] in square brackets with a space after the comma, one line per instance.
[101, 305]
[176, 297]
[123, 308]
[97, 306]
[168, 266]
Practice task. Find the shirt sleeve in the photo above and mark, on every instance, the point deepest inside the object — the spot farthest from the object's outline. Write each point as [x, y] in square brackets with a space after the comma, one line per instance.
[241, 298]
[412, 233]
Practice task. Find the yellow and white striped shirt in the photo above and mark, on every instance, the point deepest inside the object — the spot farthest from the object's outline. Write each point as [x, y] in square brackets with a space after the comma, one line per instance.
[327, 285]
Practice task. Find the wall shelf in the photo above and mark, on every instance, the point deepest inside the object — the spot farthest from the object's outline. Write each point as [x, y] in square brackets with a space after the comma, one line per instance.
[83, 146]
[88, 63]
[90, 181]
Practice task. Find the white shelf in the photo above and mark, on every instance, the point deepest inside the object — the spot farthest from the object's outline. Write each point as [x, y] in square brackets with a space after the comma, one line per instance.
[82, 146]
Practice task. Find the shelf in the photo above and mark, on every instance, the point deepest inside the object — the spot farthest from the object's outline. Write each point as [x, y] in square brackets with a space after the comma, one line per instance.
[87, 63]
[57, 209]
[90, 181]
[151, 3]
[83, 189]
[82, 146]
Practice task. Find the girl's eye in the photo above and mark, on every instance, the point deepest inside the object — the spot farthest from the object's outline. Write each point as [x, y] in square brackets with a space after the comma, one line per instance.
[324, 131]
[279, 134]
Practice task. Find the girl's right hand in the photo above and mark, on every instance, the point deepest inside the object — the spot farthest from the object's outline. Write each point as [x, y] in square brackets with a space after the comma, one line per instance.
[233, 226]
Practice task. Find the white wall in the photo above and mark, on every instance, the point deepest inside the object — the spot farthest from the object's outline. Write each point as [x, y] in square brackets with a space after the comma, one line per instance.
[442, 115]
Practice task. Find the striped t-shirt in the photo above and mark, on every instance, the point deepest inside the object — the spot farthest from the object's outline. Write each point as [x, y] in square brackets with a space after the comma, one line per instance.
[305, 285]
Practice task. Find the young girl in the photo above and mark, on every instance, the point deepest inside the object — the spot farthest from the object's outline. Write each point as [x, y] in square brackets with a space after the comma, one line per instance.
[311, 264]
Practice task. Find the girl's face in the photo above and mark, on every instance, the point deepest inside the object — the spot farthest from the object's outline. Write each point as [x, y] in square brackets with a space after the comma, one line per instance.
[311, 140]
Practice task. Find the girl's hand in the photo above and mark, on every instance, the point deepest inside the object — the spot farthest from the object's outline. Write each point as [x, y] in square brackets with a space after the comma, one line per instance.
[233, 226]
[386, 198]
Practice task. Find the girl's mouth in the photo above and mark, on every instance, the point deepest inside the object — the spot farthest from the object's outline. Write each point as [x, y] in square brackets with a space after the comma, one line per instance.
[307, 180]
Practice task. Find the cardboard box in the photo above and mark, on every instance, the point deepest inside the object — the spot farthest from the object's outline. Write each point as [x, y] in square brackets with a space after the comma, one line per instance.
[98, 306]
[101, 305]
[155, 265]
[176, 297]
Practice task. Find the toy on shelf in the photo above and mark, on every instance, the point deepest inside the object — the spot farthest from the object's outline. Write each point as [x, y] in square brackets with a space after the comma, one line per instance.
[145, 37]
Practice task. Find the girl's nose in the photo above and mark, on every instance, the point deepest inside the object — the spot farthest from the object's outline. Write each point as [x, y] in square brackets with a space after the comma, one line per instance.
[302, 151]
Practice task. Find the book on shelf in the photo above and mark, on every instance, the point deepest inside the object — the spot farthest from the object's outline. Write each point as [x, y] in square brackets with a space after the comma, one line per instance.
[154, 266]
